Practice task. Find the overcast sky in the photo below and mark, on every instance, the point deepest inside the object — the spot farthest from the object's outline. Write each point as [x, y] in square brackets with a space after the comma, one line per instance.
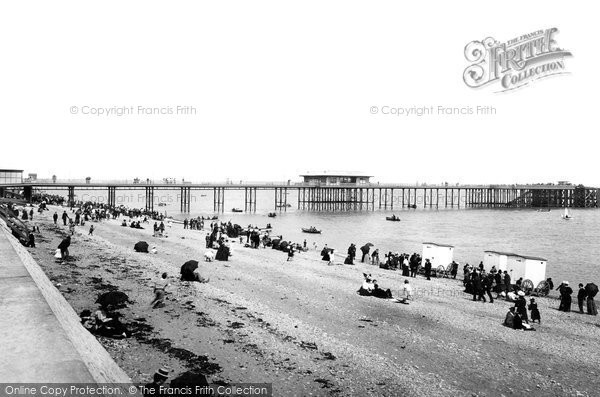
[281, 88]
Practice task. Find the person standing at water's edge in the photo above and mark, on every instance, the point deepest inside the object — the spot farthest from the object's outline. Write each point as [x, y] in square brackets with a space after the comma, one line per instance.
[55, 217]
[365, 252]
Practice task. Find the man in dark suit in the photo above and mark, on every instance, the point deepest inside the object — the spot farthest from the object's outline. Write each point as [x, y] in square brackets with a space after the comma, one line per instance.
[427, 269]
[581, 295]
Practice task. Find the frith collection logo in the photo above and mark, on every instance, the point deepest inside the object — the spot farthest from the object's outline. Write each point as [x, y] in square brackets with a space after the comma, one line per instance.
[515, 63]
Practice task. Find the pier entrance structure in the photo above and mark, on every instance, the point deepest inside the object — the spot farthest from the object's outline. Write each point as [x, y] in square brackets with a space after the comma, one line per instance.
[334, 193]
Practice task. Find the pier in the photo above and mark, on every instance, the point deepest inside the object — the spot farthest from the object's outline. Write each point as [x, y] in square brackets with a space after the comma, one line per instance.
[337, 197]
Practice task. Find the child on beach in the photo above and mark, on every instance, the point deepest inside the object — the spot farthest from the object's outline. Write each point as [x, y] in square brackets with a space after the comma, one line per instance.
[407, 291]
[91, 230]
[160, 288]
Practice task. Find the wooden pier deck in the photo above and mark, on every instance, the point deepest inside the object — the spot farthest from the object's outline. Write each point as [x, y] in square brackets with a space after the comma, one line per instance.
[341, 197]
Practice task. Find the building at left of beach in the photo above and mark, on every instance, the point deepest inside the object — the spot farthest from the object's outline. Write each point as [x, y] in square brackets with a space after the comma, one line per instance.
[11, 176]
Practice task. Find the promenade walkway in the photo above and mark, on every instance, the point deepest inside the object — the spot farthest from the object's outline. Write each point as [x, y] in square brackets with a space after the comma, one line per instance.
[40, 334]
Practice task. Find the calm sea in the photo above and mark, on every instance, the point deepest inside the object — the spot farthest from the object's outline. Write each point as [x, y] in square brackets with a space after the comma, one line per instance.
[571, 247]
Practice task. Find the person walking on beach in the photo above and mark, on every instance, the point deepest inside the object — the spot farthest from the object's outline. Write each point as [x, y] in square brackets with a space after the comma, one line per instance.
[352, 252]
[487, 286]
[31, 214]
[477, 287]
[414, 265]
[581, 295]
[454, 269]
[64, 218]
[507, 287]
[535, 313]
[565, 296]
[160, 288]
[91, 230]
[55, 217]
[499, 283]
[427, 269]
[591, 290]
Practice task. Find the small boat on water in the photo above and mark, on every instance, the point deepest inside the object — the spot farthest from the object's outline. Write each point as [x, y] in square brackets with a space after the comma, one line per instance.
[236, 210]
[566, 215]
[162, 204]
[312, 230]
[414, 206]
[392, 218]
[272, 215]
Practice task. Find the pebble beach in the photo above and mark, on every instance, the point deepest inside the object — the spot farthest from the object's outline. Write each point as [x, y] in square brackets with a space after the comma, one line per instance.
[301, 326]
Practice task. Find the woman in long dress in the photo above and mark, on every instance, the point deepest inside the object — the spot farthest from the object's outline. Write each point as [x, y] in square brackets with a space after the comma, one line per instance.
[535, 313]
[591, 306]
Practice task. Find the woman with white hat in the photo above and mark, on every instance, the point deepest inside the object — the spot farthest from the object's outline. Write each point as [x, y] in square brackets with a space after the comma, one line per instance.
[521, 306]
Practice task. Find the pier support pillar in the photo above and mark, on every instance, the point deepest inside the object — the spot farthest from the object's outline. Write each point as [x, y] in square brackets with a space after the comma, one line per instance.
[27, 193]
[112, 196]
[71, 196]
[185, 199]
[250, 199]
[218, 199]
[150, 198]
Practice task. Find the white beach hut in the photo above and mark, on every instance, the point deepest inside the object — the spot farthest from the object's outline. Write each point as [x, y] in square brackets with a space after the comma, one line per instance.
[438, 254]
[495, 258]
[529, 267]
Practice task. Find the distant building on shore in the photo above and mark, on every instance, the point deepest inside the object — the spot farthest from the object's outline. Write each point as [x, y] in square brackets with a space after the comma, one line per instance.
[330, 178]
[11, 176]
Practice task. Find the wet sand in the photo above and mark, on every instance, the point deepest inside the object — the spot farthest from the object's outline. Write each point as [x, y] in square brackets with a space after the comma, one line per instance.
[301, 326]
